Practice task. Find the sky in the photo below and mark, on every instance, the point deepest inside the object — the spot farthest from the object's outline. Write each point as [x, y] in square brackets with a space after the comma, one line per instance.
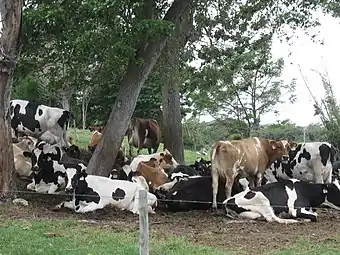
[308, 55]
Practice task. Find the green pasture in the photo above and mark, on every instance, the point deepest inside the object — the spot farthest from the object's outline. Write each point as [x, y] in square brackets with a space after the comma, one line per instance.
[82, 139]
[67, 237]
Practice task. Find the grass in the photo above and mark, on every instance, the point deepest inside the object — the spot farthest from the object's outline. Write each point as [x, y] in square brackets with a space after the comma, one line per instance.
[69, 237]
[308, 247]
[21, 237]
[82, 139]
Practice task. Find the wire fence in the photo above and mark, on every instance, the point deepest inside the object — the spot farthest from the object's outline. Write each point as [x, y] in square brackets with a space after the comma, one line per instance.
[133, 196]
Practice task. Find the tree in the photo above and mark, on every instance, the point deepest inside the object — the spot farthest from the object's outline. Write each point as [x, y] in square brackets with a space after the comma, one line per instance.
[136, 74]
[11, 25]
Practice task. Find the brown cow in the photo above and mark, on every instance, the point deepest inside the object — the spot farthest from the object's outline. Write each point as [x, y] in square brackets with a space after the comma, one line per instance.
[96, 128]
[153, 174]
[249, 157]
[95, 139]
[143, 133]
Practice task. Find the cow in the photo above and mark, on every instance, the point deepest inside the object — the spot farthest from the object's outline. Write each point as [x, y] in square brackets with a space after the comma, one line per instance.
[164, 159]
[22, 166]
[143, 133]
[248, 157]
[310, 161]
[295, 198]
[96, 128]
[202, 166]
[36, 119]
[193, 194]
[120, 158]
[92, 192]
[152, 173]
[49, 174]
[78, 153]
[336, 169]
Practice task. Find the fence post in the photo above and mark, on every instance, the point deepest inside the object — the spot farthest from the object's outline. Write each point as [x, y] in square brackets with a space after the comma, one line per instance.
[143, 223]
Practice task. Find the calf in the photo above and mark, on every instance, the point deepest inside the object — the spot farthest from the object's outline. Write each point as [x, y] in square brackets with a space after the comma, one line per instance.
[249, 157]
[307, 162]
[91, 192]
[35, 119]
[296, 198]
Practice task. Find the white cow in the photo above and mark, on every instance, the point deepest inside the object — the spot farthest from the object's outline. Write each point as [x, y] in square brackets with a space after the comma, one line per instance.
[92, 192]
[35, 120]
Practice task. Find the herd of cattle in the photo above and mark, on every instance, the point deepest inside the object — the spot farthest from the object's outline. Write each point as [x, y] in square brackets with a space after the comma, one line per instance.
[252, 178]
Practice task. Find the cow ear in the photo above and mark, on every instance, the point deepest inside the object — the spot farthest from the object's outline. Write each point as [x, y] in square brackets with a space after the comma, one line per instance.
[273, 144]
[27, 154]
[292, 144]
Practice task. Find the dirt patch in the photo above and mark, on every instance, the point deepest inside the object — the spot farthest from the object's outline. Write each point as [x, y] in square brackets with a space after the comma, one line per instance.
[201, 227]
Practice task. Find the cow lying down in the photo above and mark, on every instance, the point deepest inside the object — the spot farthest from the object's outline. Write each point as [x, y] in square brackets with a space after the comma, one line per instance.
[92, 192]
[296, 198]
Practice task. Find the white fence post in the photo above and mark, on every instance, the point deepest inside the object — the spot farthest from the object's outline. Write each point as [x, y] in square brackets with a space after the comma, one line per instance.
[143, 223]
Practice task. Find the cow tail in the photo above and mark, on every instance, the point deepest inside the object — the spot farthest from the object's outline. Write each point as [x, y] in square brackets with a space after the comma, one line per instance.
[332, 154]
[215, 151]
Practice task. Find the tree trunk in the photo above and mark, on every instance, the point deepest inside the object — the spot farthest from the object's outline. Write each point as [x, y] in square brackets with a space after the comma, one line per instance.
[137, 72]
[11, 13]
[85, 104]
[172, 118]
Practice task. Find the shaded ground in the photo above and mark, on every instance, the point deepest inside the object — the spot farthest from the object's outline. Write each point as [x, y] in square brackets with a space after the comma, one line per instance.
[201, 227]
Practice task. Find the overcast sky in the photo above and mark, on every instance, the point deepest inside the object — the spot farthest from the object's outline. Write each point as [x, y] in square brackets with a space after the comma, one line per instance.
[309, 56]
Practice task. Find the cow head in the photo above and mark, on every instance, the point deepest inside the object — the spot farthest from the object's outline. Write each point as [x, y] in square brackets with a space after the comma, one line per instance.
[167, 162]
[332, 191]
[78, 182]
[95, 139]
[277, 150]
[139, 179]
[73, 151]
[27, 143]
[43, 154]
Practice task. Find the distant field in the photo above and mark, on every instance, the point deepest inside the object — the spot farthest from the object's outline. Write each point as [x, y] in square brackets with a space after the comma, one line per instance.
[82, 139]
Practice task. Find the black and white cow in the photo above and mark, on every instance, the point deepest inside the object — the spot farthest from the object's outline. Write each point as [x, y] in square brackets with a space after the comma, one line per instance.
[307, 162]
[92, 192]
[49, 174]
[295, 198]
[193, 194]
[48, 123]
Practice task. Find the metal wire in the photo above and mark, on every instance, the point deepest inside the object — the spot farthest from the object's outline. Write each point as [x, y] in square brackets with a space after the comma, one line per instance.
[71, 195]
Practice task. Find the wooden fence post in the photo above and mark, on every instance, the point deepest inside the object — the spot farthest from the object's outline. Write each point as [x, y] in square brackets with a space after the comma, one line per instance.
[143, 223]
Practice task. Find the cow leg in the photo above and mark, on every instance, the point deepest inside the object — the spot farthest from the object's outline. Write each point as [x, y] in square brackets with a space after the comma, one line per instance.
[53, 188]
[89, 208]
[67, 204]
[268, 213]
[305, 213]
[258, 179]
[31, 186]
[149, 150]
[215, 177]
[155, 149]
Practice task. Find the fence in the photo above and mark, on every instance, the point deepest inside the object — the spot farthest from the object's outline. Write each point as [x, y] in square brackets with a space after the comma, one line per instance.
[143, 217]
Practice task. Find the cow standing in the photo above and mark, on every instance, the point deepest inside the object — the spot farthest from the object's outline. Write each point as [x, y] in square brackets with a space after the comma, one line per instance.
[36, 120]
[249, 157]
[143, 133]
[310, 162]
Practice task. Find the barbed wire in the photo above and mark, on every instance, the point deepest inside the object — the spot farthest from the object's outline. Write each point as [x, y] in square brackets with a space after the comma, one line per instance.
[70, 196]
